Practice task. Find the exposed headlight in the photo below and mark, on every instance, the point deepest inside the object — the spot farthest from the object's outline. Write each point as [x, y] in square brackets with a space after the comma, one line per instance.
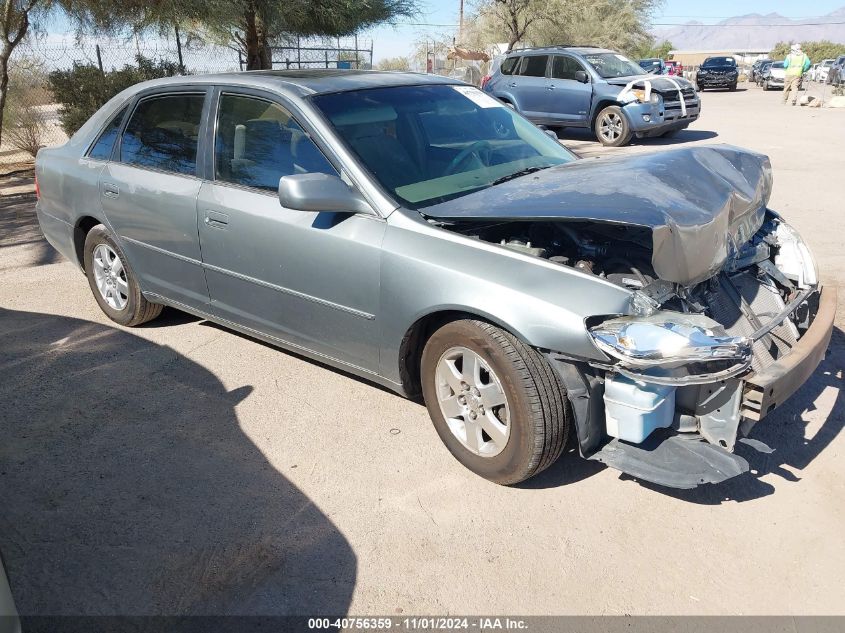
[794, 258]
[640, 95]
[672, 348]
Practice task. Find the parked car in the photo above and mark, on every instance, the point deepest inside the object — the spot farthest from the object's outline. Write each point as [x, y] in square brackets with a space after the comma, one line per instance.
[764, 68]
[836, 73]
[774, 76]
[653, 66]
[717, 72]
[414, 231]
[822, 69]
[674, 68]
[756, 69]
[594, 88]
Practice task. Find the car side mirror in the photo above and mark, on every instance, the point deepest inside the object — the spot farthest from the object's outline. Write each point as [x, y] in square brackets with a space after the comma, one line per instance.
[581, 76]
[321, 192]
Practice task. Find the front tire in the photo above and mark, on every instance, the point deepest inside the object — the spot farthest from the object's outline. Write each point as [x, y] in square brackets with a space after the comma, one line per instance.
[113, 282]
[612, 128]
[496, 403]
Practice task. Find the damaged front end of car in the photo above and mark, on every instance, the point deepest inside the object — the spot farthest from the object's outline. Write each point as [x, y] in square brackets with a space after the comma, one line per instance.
[727, 315]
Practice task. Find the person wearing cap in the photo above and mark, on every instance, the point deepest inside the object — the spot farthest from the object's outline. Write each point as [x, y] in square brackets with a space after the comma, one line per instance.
[796, 64]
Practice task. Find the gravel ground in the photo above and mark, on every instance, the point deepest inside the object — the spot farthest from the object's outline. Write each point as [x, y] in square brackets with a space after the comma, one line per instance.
[182, 468]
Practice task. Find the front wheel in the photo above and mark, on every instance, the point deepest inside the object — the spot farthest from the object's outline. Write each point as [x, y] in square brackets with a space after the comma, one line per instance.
[612, 128]
[496, 403]
[732, 87]
[113, 282]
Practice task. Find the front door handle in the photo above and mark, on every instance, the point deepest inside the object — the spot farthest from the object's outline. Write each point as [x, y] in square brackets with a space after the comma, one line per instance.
[110, 190]
[216, 220]
[512, 84]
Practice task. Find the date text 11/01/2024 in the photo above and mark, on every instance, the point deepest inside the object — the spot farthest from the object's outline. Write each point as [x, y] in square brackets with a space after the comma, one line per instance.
[419, 623]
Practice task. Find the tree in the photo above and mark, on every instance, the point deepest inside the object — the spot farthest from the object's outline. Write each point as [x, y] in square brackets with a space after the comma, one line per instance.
[395, 63]
[617, 24]
[515, 18]
[84, 89]
[816, 51]
[252, 26]
[15, 23]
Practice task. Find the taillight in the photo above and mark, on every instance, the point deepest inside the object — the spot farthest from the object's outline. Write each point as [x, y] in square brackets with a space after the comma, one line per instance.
[484, 81]
[37, 190]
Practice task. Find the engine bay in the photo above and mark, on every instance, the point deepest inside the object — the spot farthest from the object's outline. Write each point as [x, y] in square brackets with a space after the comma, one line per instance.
[768, 270]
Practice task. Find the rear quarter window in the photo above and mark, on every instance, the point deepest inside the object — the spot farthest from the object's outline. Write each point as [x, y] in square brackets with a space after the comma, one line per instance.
[509, 65]
[102, 147]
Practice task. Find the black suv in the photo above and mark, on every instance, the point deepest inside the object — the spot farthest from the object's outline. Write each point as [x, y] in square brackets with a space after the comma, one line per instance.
[717, 72]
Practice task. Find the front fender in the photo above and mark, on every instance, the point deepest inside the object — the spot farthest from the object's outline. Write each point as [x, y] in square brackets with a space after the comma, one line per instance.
[426, 269]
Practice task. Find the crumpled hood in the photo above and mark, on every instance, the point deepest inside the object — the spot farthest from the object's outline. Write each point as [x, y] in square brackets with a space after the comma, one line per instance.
[658, 82]
[699, 202]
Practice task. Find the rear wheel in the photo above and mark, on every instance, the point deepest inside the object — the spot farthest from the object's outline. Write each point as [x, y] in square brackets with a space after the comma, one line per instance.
[612, 128]
[113, 282]
[732, 87]
[496, 403]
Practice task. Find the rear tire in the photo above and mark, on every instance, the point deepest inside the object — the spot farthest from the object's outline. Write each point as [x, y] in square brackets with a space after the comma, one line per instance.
[113, 282]
[612, 128]
[524, 395]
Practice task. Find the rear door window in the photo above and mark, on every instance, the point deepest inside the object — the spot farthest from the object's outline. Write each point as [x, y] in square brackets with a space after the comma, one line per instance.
[534, 65]
[509, 65]
[163, 133]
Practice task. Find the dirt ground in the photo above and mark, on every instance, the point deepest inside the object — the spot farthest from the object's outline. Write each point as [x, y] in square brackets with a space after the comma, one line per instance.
[182, 468]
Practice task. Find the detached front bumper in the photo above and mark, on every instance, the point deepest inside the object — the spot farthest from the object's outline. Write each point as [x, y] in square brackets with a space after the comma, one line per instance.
[767, 389]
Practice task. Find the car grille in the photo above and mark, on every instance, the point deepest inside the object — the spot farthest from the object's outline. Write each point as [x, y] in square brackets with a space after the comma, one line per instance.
[742, 303]
[672, 105]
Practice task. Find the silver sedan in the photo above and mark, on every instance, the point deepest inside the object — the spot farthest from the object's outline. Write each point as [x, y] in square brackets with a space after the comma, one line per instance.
[412, 230]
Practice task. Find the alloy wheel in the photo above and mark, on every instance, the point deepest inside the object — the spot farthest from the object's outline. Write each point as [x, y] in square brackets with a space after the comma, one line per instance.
[611, 126]
[110, 277]
[473, 402]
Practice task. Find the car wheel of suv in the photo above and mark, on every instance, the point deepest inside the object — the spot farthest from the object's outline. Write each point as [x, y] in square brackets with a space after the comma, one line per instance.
[732, 87]
[612, 127]
[496, 403]
[113, 282]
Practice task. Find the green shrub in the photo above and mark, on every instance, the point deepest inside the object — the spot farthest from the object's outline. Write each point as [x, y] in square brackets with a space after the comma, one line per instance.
[83, 89]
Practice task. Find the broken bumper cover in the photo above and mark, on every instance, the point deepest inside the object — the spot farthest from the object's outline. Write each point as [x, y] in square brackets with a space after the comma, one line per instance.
[766, 390]
[685, 460]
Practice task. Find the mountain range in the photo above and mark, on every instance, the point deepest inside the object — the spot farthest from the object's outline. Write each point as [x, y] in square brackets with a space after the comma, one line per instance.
[754, 31]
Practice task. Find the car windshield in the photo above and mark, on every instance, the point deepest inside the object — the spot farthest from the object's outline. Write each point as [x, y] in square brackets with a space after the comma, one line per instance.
[777, 65]
[718, 61]
[612, 65]
[429, 144]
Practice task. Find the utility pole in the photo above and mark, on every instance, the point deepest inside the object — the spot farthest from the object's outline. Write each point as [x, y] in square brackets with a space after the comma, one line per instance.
[461, 24]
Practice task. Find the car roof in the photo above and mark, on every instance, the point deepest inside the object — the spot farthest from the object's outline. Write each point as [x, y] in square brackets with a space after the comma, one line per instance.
[545, 50]
[306, 82]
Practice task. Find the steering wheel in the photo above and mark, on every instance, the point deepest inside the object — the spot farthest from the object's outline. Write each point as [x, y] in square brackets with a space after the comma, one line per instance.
[473, 149]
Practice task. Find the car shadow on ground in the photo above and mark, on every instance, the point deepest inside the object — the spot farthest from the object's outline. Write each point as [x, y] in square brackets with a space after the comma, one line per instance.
[128, 487]
[19, 228]
[580, 140]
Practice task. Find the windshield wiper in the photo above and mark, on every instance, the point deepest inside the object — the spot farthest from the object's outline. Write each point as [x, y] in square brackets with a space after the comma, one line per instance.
[517, 174]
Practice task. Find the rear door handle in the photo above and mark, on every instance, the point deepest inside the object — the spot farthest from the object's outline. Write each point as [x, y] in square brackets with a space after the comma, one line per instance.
[110, 190]
[216, 220]
[512, 84]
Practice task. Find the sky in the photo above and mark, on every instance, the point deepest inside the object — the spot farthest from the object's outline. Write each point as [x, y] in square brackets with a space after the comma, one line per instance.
[396, 41]
[439, 18]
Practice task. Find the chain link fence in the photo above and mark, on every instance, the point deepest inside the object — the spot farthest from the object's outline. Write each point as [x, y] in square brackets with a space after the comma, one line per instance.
[32, 117]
